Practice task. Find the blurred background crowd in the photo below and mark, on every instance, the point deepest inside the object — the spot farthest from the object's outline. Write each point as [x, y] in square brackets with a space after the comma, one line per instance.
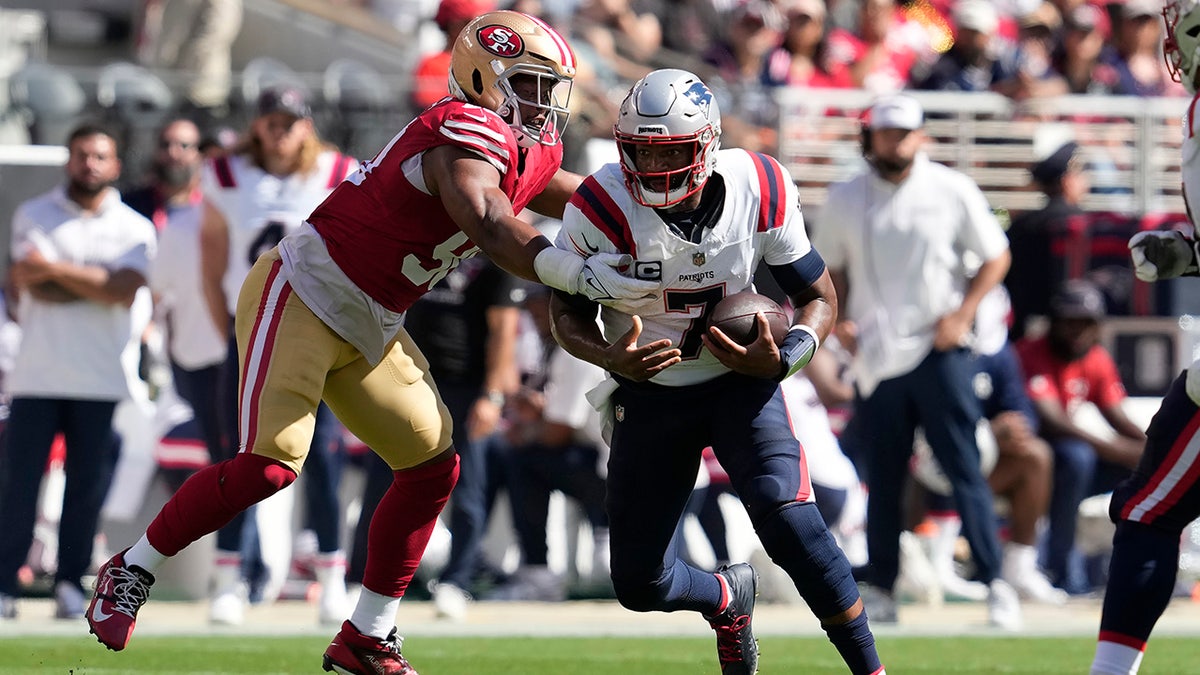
[1064, 112]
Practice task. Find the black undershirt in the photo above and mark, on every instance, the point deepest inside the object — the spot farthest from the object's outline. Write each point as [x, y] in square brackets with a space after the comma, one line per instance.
[690, 225]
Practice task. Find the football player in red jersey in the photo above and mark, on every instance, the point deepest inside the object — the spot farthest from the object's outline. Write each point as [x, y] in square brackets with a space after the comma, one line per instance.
[320, 316]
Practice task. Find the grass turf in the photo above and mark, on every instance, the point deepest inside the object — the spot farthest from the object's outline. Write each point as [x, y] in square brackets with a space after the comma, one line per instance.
[573, 656]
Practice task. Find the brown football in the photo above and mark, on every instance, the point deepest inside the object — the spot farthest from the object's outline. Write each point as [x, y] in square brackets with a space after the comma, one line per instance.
[734, 315]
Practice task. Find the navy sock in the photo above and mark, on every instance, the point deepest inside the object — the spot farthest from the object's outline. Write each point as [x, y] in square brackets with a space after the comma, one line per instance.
[856, 644]
[1141, 579]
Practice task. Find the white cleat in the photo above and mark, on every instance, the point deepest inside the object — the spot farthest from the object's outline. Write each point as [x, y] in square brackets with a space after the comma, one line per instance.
[1004, 607]
[228, 606]
[450, 602]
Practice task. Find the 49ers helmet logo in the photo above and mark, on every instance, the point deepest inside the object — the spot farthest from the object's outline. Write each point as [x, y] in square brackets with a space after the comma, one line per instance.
[501, 41]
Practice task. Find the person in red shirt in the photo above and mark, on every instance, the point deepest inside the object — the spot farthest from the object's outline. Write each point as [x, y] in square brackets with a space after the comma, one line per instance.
[320, 317]
[1064, 369]
[429, 77]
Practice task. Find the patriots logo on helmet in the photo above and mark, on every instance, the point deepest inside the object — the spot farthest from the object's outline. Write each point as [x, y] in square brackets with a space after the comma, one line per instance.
[699, 95]
[501, 41]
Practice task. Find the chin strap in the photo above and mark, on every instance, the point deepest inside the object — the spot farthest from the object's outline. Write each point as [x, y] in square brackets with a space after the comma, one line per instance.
[797, 350]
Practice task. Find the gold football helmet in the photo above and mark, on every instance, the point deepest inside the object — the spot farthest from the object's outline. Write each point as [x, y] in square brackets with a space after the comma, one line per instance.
[498, 46]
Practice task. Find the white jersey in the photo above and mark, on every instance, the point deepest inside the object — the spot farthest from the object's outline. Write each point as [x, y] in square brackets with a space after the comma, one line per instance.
[194, 342]
[1190, 168]
[261, 208]
[761, 220]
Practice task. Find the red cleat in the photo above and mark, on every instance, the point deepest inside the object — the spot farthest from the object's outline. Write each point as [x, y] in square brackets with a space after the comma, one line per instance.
[120, 591]
[353, 653]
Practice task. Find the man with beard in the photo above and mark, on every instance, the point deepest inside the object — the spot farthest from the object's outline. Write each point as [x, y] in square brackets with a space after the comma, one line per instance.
[79, 257]
[1064, 369]
[898, 239]
[172, 200]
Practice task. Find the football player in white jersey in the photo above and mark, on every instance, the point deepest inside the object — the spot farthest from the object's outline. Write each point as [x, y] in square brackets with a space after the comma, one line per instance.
[1153, 506]
[256, 195]
[699, 220]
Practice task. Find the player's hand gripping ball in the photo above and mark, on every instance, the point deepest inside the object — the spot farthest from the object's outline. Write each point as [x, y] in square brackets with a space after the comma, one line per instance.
[734, 315]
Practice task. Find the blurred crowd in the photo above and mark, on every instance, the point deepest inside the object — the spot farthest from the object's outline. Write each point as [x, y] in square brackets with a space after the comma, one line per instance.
[521, 420]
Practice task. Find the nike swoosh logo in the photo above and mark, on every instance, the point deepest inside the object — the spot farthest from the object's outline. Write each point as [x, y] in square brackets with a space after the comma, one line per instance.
[588, 245]
[606, 295]
[98, 615]
[482, 119]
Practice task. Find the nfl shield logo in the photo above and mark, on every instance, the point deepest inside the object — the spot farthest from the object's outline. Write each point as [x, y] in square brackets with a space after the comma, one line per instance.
[698, 259]
[619, 412]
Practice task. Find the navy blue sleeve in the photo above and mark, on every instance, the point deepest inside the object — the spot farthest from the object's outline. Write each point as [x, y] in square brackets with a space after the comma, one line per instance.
[799, 275]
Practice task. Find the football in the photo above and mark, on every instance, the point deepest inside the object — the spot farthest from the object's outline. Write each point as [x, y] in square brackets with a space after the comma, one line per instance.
[734, 315]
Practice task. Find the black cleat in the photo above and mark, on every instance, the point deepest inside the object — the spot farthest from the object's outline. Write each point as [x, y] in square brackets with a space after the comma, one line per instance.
[736, 647]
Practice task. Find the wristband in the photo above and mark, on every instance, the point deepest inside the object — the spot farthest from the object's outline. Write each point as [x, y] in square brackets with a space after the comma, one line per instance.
[797, 350]
[558, 269]
[495, 397]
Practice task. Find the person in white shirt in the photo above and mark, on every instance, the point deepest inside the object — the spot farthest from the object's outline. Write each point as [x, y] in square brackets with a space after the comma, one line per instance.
[79, 257]
[897, 239]
[172, 200]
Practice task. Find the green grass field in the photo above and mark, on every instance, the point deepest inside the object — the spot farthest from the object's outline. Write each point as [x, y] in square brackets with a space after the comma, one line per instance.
[574, 656]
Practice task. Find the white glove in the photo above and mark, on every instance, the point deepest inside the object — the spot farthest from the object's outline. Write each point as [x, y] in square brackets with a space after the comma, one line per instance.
[1192, 384]
[596, 277]
[1161, 255]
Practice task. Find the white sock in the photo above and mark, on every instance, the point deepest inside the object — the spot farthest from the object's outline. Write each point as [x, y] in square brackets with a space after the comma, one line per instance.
[375, 614]
[1019, 559]
[144, 555]
[331, 572]
[1116, 659]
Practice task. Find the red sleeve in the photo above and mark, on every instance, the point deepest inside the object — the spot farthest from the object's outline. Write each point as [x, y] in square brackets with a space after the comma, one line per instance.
[1039, 374]
[481, 131]
[1105, 388]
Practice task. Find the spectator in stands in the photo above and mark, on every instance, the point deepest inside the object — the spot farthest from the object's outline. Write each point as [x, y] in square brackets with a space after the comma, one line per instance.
[564, 452]
[623, 33]
[1136, 51]
[467, 329]
[172, 200]
[1035, 76]
[909, 305]
[260, 192]
[195, 38]
[79, 257]
[882, 55]
[803, 58]
[1085, 30]
[429, 77]
[1064, 369]
[1040, 239]
[689, 28]
[978, 59]
[755, 28]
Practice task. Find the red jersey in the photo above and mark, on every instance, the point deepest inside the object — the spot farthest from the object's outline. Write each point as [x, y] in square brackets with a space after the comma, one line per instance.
[394, 241]
[1092, 378]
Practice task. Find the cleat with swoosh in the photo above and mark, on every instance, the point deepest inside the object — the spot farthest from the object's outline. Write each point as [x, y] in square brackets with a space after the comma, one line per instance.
[120, 591]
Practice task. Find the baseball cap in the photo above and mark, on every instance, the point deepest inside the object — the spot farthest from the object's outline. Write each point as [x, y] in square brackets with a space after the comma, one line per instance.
[813, 8]
[1044, 15]
[1049, 170]
[976, 15]
[1132, 9]
[758, 12]
[1088, 18]
[1077, 299]
[289, 100]
[896, 111]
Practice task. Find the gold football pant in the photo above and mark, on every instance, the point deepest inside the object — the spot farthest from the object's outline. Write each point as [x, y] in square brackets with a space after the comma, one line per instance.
[289, 360]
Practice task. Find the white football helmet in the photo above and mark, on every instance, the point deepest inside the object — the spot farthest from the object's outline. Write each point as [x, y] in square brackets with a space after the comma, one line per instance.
[1181, 46]
[668, 106]
[494, 48]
